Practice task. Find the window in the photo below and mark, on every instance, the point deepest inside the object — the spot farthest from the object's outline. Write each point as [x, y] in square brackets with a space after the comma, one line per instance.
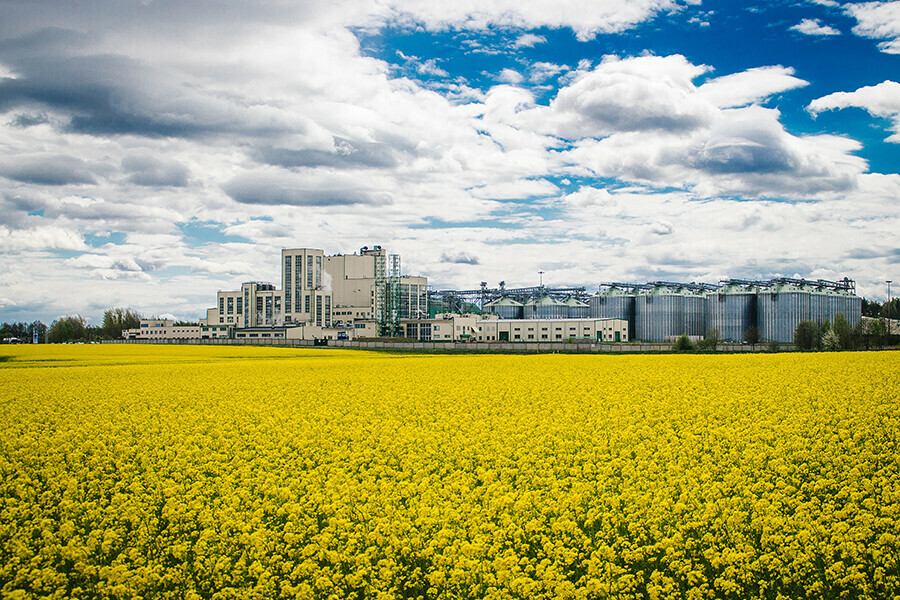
[230, 306]
[240, 306]
[309, 271]
[318, 310]
[287, 284]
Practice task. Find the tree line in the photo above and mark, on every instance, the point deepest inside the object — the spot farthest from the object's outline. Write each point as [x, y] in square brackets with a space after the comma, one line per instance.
[74, 328]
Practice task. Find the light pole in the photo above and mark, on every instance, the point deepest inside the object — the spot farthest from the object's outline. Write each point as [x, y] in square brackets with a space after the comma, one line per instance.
[541, 273]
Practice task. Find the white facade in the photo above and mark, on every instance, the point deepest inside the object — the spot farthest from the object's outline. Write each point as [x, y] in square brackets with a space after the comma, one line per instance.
[162, 329]
[552, 330]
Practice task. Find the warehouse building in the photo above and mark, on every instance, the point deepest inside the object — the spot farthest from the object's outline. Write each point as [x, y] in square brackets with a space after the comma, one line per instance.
[552, 330]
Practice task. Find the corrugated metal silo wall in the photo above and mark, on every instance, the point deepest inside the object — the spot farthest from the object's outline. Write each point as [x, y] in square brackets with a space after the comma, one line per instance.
[731, 314]
[579, 312]
[819, 303]
[551, 311]
[695, 315]
[780, 313]
[615, 307]
[854, 310]
[658, 316]
[508, 312]
[846, 304]
[528, 311]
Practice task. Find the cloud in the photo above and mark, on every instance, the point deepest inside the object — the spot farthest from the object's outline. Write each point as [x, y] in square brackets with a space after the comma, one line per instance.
[270, 188]
[510, 76]
[47, 169]
[459, 258]
[528, 40]
[882, 100]
[878, 20]
[585, 19]
[145, 169]
[634, 94]
[814, 27]
[343, 154]
[750, 86]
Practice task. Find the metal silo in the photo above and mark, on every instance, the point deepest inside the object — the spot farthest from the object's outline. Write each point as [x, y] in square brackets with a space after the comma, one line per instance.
[504, 308]
[659, 313]
[781, 306]
[845, 302]
[732, 310]
[528, 310]
[695, 321]
[615, 302]
[820, 304]
[548, 307]
[577, 309]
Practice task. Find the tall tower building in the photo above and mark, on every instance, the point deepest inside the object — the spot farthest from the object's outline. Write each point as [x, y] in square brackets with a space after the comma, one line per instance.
[306, 287]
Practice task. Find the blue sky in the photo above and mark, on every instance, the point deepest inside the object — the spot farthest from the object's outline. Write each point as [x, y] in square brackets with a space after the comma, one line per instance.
[155, 152]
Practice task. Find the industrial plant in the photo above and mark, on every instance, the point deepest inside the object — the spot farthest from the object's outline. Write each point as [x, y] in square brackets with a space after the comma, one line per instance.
[364, 295]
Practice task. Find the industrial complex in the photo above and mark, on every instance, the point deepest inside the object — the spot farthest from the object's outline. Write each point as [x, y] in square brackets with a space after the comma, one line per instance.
[364, 295]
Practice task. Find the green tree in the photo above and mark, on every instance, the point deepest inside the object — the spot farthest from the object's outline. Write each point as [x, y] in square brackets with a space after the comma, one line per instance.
[831, 341]
[67, 329]
[683, 344]
[117, 320]
[751, 336]
[36, 327]
[712, 339]
[844, 332]
[807, 336]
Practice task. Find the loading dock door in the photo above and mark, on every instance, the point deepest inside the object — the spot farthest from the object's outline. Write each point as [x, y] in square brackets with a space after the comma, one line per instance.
[618, 336]
[504, 336]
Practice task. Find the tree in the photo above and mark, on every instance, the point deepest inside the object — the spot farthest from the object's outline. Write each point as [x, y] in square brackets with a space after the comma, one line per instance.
[67, 329]
[870, 308]
[751, 336]
[117, 320]
[712, 339]
[36, 327]
[683, 344]
[831, 341]
[807, 336]
[843, 331]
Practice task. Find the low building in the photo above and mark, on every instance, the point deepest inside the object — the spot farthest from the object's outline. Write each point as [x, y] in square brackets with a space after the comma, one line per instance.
[552, 330]
[162, 329]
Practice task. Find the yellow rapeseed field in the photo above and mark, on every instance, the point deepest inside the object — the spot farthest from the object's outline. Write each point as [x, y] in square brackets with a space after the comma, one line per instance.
[210, 472]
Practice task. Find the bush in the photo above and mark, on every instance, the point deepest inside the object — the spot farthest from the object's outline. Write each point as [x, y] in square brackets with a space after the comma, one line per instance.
[683, 344]
[751, 336]
[774, 346]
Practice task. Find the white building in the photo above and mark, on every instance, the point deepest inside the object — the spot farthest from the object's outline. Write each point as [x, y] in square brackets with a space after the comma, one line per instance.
[552, 330]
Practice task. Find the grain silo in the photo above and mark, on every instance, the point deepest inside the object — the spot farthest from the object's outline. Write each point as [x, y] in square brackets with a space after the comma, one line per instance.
[781, 306]
[548, 307]
[695, 321]
[576, 308]
[732, 309]
[504, 308]
[659, 313]
[616, 301]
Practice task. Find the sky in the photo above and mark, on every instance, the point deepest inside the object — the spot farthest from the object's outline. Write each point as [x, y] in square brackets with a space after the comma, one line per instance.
[153, 152]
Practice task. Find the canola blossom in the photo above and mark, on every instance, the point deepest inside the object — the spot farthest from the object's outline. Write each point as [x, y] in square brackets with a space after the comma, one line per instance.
[238, 472]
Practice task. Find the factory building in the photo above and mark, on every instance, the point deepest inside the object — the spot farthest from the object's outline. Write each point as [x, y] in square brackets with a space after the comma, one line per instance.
[552, 330]
[330, 297]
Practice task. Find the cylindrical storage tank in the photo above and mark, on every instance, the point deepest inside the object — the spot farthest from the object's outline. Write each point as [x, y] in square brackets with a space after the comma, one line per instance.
[577, 309]
[659, 314]
[732, 310]
[504, 308]
[820, 305]
[615, 303]
[550, 308]
[695, 322]
[528, 311]
[843, 301]
[780, 308]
